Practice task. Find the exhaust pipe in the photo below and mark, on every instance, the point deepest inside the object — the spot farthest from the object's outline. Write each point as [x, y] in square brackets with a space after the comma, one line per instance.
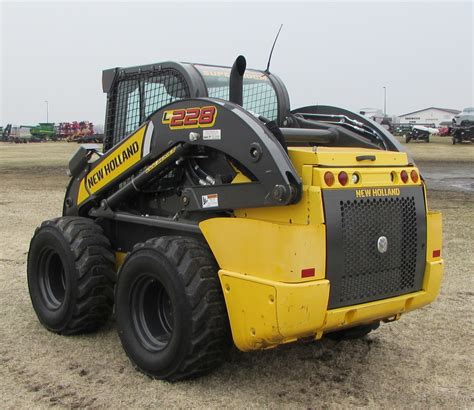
[236, 80]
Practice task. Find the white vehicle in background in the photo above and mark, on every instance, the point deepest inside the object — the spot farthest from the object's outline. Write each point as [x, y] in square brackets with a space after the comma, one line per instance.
[20, 134]
[421, 133]
[465, 118]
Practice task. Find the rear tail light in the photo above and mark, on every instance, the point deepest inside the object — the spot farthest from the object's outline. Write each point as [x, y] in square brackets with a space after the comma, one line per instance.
[404, 176]
[414, 176]
[343, 178]
[329, 178]
[437, 253]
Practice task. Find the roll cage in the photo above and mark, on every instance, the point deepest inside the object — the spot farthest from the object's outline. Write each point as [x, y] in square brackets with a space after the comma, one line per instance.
[133, 93]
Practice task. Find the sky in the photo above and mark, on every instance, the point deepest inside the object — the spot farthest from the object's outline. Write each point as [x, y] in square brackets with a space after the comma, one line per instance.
[331, 53]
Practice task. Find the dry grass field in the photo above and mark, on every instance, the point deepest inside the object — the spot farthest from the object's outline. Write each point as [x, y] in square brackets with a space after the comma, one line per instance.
[423, 360]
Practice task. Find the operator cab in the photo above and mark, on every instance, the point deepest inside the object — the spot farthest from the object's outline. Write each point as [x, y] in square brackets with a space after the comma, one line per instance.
[136, 92]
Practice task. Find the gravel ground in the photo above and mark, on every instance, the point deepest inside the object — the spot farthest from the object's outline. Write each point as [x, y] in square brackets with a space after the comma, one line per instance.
[423, 360]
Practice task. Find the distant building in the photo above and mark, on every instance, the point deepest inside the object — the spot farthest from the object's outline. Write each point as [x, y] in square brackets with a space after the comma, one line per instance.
[428, 116]
[373, 113]
[377, 115]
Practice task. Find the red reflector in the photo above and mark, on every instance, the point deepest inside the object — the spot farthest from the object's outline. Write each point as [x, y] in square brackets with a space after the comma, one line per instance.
[329, 178]
[437, 253]
[343, 178]
[306, 273]
[404, 176]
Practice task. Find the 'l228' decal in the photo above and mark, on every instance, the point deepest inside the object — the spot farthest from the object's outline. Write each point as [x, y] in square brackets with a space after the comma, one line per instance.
[196, 117]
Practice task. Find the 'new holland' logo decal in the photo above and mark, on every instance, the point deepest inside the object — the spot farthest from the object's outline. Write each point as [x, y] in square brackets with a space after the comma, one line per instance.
[376, 192]
[113, 164]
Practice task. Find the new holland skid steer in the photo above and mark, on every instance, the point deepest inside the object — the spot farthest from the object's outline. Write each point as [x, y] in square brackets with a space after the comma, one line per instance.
[216, 213]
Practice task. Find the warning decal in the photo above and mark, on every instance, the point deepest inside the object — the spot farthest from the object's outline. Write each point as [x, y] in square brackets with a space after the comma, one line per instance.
[210, 201]
[210, 135]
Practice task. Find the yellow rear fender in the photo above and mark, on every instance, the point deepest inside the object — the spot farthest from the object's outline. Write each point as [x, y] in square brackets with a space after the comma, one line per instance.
[274, 251]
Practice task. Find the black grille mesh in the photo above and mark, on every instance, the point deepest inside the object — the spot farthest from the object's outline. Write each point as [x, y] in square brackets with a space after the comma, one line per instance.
[136, 96]
[369, 274]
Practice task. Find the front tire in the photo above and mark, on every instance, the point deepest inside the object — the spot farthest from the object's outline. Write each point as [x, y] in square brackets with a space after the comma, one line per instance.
[71, 275]
[170, 310]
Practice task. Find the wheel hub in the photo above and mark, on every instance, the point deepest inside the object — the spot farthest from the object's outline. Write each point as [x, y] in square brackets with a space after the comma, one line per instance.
[152, 313]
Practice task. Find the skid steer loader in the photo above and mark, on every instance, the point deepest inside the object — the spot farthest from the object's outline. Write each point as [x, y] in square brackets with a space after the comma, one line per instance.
[215, 213]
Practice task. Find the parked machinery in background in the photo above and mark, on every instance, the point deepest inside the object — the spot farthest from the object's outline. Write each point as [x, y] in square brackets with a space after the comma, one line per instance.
[79, 131]
[5, 132]
[420, 133]
[462, 133]
[43, 131]
[401, 130]
[444, 128]
[465, 118]
[462, 129]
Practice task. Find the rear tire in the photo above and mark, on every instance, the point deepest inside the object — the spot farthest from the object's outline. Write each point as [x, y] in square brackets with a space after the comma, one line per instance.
[170, 310]
[352, 333]
[71, 275]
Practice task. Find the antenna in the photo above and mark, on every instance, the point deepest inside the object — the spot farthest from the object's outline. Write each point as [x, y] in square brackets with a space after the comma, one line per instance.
[271, 51]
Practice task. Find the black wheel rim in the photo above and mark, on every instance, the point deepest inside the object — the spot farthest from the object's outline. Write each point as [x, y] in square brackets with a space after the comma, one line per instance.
[52, 278]
[152, 313]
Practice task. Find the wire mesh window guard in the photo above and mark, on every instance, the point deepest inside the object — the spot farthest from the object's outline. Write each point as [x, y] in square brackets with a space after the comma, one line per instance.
[136, 96]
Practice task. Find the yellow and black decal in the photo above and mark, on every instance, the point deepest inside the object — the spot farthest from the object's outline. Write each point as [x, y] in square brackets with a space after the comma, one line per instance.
[163, 158]
[112, 165]
[195, 117]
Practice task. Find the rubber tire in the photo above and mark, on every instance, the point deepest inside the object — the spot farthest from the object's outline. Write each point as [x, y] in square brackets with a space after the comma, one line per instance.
[453, 140]
[407, 139]
[88, 278]
[352, 333]
[200, 338]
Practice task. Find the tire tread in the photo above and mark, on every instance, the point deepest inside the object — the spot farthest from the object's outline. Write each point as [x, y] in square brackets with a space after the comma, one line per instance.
[94, 263]
[197, 269]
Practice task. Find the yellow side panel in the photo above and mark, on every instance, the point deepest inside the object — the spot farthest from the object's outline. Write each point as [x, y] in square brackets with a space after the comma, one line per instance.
[301, 307]
[307, 211]
[265, 313]
[112, 165]
[434, 234]
[267, 250]
[344, 157]
[251, 312]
